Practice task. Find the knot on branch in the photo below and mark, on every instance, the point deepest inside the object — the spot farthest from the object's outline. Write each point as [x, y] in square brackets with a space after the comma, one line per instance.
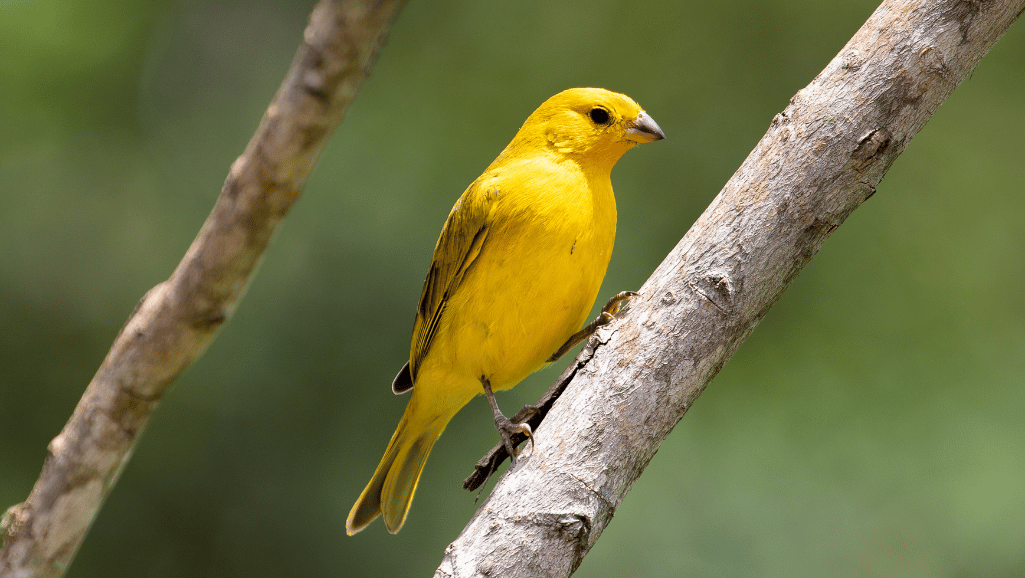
[571, 528]
[576, 531]
[871, 148]
[717, 288]
[13, 522]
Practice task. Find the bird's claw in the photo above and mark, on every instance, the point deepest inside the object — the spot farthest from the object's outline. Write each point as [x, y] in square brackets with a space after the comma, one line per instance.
[507, 429]
[616, 303]
[612, 308]
[608, 313]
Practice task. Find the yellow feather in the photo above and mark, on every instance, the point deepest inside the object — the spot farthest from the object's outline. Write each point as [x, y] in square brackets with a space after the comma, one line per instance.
[515, 271]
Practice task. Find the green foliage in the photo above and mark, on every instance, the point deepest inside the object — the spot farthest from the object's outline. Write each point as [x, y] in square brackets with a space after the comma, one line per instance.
[871, 426]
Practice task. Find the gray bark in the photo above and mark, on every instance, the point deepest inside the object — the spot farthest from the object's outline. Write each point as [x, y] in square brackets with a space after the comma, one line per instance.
[176, 320]
[821, 158]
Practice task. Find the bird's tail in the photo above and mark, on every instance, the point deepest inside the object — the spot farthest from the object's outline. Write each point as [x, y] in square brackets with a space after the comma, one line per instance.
[390, 491]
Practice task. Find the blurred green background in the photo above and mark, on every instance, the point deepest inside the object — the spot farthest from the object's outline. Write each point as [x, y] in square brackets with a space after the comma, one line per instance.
[871, 426]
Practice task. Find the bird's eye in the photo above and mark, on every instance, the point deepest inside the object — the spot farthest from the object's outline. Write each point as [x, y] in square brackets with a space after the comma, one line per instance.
[599, 116]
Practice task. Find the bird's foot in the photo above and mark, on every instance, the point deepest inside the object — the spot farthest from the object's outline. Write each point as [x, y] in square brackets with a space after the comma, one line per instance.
[507, 429]
[608, 313]
[616, 303]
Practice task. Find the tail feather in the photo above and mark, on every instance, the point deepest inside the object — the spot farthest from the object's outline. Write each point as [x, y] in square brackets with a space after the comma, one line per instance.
[402, 479]
[391, 489]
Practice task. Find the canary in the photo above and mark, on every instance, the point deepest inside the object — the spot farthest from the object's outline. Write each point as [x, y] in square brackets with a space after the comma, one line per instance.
[515, 272]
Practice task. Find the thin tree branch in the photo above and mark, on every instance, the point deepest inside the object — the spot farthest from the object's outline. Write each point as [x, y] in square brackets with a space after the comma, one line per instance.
[176, 320]
[821, 158]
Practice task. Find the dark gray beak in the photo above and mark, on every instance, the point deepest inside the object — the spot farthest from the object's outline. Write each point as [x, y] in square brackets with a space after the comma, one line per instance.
[644, 129]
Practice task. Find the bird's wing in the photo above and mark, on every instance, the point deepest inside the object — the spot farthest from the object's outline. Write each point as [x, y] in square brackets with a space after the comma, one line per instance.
[460, 243]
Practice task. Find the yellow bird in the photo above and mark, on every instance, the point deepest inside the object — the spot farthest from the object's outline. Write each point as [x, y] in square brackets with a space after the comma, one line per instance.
[516, 269]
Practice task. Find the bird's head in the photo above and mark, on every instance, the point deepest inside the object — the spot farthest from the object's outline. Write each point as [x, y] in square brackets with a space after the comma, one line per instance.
[592, 124]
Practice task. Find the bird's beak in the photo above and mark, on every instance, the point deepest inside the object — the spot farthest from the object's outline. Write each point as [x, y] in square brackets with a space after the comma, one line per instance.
[644, 129]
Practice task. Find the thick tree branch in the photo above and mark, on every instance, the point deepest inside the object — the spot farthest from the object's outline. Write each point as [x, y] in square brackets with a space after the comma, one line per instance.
[821, 158]
[176, 320]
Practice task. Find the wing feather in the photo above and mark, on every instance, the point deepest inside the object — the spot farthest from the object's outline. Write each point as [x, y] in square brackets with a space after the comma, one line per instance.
[461, 240]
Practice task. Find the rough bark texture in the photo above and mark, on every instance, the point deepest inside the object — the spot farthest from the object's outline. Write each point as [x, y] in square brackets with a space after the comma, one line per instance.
[821, 158]
[176, 320]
